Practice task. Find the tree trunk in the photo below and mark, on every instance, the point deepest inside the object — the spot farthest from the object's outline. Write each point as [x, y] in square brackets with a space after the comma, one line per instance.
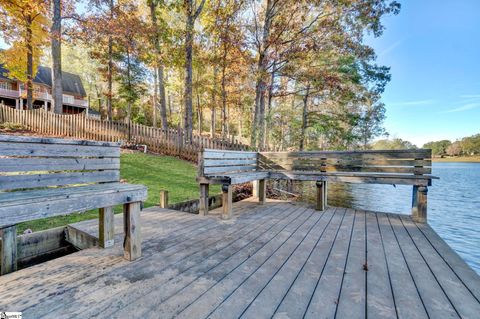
[155, 97]
[224, 94]
[258, 126]
[29, 64]
[269, 107]
[56, 34]
[163, 100]
[110, 70]
[214, 103]
[188, 120]
[160, 69]
[304, 118]
[200, 114]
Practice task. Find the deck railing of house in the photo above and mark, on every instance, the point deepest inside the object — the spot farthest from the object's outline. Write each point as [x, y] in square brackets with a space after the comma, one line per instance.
[169, 142]
[9, 93]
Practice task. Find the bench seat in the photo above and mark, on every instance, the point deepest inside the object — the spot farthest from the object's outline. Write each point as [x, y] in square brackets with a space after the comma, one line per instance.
[233, 178]
[354, 177]
[21, 206]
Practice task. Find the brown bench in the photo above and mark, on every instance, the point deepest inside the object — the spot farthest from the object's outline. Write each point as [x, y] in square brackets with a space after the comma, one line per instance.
[397, 167]
[45, 177]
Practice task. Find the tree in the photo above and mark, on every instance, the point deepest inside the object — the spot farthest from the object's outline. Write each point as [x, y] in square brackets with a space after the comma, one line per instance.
[393, 144]
[98, 28]
[454, 149]
[191, 14]
[24, 24]
[439, 147]
[56, 35]
[154, 5]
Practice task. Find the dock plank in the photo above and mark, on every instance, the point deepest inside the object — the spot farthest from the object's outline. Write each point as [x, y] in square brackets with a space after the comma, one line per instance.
[324, 301]
[380, 302]
[295, 302]
[436, 302]
[351, 303]
[280, 260]
[407, 300]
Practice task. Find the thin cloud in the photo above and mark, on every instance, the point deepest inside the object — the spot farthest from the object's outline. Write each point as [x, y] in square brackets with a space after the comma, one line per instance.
[414, 103]
[466, 107]
[470, 96]
[390, 48]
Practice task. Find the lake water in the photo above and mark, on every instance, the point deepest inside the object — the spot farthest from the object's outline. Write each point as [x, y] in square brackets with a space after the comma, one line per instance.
[453, 204]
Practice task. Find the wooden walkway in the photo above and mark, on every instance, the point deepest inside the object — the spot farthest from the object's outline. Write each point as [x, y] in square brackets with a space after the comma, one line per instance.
[280, 260]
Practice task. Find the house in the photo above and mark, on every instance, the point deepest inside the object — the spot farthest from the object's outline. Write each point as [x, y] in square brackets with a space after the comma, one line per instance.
[13, 92]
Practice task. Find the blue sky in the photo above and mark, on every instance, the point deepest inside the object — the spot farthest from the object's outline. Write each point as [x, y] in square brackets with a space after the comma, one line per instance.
[433, 49]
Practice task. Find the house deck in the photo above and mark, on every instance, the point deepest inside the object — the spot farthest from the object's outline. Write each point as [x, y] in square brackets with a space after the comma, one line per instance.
[281, 259]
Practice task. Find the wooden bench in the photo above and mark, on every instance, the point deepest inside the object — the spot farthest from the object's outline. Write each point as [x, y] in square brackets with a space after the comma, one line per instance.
[228, 168]
[45, 177]
[397, 167]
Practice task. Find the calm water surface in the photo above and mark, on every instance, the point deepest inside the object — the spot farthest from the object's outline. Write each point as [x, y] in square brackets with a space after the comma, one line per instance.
[453, 204]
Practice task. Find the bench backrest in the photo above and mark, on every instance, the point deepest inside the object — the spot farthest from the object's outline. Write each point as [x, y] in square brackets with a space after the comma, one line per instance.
[411, 162]
[35, 162]
[220, 162]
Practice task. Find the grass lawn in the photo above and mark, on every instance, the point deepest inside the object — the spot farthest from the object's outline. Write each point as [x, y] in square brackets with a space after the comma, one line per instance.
[462, 159]
[155, 172]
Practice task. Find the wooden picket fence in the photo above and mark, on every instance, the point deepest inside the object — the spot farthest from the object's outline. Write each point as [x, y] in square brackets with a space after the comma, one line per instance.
[168, 142]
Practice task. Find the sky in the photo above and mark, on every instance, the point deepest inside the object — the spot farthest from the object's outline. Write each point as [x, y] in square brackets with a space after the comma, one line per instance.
[433, 49]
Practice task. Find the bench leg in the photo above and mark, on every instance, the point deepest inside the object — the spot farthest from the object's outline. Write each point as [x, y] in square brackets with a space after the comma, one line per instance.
[106, 232]
[131, 223]
[262, 190]
[321, 195]
[8, 250]
[255, 188]
[419, 204]
[203, 208]
[226, 201]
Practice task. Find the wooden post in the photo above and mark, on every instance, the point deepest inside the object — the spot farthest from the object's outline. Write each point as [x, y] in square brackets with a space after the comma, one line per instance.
[262, 190]
[106, 232]
[320, 204]
[255, 188]
[203, 207]
[8, 251]
[131, 223]
[163, 199]
[419, 204]
[226, 201]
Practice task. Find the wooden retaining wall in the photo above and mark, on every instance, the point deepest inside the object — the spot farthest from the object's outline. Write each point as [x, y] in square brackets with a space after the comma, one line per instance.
[79, 126]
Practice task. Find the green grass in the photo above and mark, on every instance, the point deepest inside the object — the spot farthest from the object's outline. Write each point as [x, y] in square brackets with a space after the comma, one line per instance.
[155, 172]
[463, 159]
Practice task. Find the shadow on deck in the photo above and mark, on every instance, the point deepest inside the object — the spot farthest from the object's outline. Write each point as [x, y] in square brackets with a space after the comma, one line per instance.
[281, 260]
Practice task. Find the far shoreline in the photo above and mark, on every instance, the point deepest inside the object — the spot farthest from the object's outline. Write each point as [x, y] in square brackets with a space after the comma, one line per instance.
[458, 159]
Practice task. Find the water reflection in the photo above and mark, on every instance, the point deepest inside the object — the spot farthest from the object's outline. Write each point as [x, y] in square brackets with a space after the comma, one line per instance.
[453, 204]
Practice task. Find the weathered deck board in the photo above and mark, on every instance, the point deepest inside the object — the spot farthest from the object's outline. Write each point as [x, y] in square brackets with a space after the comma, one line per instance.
[277, 260]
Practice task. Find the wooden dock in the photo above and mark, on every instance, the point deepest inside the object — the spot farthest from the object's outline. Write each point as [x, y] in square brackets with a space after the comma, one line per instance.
[281, 260]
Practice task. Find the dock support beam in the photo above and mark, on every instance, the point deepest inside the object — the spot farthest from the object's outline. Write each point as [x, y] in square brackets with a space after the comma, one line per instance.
[106, 230]
[8, 251]
[226, 201]
[203, 205]
[419, 204]
[163, 199]
[321, 195]
[132, 245]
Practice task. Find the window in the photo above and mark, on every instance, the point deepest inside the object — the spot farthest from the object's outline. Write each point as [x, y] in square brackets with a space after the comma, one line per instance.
[6, 85]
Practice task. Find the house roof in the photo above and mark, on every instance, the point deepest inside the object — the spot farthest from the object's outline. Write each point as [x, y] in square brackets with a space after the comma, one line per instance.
[71, 82]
